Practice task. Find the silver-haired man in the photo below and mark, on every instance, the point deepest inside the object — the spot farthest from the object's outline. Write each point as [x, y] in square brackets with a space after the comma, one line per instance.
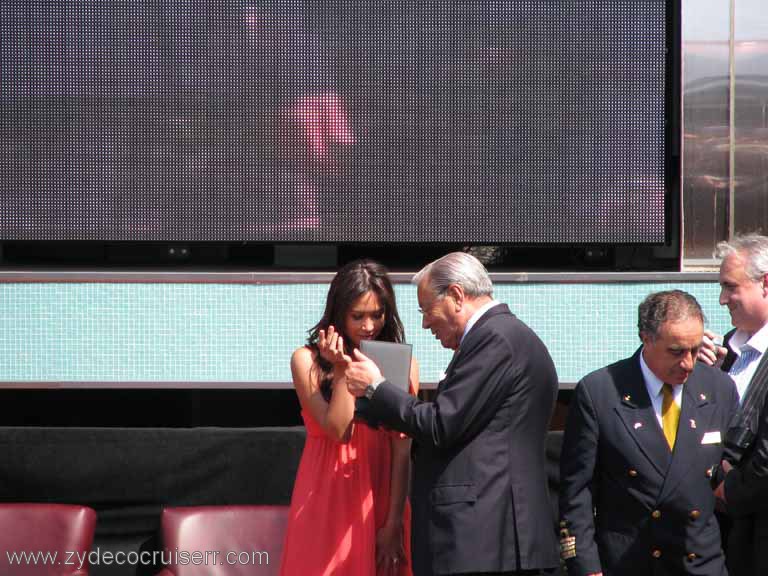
[479, 494]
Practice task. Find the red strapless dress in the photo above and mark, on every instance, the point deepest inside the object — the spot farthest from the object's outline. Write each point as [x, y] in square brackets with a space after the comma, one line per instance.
[340, 499]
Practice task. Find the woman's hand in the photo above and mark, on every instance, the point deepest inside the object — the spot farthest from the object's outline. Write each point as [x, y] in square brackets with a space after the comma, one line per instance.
[389, 545]
[331, 346]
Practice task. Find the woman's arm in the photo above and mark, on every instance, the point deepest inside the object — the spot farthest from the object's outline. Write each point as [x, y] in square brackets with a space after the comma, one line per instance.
[389, 538]
[335, 417]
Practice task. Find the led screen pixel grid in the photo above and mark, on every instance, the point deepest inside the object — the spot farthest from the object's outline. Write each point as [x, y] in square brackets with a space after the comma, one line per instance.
[511, 121]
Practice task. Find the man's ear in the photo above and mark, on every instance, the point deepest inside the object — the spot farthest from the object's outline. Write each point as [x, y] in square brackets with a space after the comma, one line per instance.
[456, 292]
[765, 285]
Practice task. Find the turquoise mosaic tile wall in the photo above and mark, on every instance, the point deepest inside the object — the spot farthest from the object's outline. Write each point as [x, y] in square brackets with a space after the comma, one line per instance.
[126, 332]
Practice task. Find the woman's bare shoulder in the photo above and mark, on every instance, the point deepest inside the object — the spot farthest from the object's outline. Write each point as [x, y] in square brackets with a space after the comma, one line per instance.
[302, 361]
[303, 355]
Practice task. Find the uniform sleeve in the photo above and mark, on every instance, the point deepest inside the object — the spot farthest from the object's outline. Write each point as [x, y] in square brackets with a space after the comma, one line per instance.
[732, 450]
[578, 460]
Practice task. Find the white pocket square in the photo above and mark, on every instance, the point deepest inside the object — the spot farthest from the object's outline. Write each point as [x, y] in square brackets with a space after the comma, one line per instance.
[711, 437]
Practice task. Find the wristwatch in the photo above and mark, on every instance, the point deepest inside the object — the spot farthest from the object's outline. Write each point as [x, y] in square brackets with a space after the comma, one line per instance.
[371, 388]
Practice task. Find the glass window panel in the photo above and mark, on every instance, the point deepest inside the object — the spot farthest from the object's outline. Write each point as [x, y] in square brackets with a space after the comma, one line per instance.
[705, 125]
[751, 119]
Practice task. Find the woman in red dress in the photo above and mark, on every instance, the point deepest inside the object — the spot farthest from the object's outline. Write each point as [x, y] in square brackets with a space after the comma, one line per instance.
[349, 512]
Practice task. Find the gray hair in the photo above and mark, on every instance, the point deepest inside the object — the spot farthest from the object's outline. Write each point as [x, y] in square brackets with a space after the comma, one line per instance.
[456, 268]
[667, 306]
[753, 247]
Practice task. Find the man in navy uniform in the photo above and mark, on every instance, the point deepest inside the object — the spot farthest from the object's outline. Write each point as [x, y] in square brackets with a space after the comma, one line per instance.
[642, 437]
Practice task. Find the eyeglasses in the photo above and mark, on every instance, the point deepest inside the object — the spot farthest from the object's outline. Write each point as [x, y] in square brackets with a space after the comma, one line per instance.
[429, 308]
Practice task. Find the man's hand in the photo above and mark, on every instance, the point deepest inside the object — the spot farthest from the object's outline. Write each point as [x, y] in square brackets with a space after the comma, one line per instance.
[710, 353]
[361, 372]
[720, 490]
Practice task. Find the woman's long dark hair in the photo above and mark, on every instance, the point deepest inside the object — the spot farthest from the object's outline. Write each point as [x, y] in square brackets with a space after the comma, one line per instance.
[351, 282]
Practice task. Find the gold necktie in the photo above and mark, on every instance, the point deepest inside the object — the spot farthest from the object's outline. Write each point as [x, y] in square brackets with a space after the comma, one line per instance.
[670, 415]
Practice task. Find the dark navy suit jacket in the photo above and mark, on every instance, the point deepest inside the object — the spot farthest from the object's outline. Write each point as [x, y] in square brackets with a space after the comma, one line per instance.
[635, 507]
[479, 492]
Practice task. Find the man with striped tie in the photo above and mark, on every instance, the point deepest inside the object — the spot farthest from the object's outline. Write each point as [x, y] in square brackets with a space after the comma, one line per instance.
[641, 437]
[744, 290]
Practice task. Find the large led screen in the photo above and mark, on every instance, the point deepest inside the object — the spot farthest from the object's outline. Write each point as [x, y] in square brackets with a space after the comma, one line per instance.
[483, 121]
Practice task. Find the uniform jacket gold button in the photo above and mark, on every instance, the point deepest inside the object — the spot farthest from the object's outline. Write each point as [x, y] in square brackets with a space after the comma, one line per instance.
[694, 514]
[656, 553]
[656, 514]
[691, 557]
[632, 472]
